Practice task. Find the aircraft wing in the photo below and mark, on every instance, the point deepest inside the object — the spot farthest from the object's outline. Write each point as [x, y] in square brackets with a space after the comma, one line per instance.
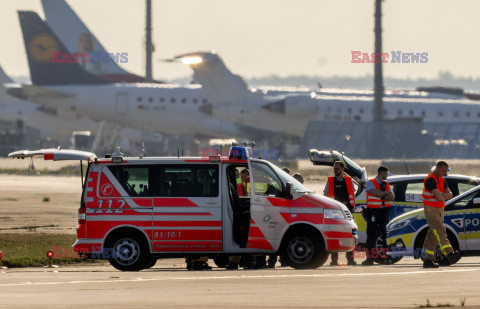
[34, 93]
[54, 154]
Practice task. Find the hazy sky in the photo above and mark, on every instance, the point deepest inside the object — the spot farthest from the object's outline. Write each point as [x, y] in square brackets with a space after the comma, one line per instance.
[263, 37]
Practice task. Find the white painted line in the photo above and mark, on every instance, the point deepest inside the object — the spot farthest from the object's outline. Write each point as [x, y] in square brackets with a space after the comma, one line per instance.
[430, 272]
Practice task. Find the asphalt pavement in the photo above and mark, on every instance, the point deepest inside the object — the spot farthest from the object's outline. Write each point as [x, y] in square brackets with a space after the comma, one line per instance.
[168, 284]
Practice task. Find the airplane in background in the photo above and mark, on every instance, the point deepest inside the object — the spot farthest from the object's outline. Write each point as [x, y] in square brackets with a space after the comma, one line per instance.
[153, 107]
[77, 37]
[71, 31]
[230, 98]
[57, 125]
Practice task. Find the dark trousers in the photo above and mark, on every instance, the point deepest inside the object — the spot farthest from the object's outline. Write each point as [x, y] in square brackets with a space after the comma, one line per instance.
[377, 220]
[348, 255]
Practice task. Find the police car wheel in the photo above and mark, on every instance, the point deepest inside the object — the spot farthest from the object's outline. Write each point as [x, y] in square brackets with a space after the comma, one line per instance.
[382, 259]
[129, 253]
[304, 251]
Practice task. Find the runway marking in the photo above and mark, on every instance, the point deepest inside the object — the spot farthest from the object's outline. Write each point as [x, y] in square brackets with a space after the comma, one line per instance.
[242, 277]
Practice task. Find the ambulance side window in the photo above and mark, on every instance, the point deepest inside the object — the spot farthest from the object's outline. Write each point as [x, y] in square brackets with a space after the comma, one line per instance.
[265, 180]
[188, 180]
[135, 180]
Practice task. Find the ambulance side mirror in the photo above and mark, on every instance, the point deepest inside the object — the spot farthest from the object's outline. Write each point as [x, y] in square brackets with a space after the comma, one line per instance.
[289, 190]
[476, 201]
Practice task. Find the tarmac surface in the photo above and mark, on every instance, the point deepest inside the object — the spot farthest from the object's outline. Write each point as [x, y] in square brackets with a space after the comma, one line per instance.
[168, 284]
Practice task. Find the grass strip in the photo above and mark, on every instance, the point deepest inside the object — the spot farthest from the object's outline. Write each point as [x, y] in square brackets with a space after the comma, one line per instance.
[30, 249]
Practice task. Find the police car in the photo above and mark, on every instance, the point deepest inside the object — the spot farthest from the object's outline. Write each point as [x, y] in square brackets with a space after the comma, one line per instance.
[136, 209]
[406, 233]
[407, 188]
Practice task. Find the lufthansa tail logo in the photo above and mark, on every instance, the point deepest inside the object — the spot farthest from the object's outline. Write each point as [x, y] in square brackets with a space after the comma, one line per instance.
[41, 47]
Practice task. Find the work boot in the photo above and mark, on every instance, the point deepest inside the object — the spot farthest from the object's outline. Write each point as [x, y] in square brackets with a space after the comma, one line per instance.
[201, 266]
[429, 264]
[334, 263]
[232, 266]
[351, 262]
[368, 262]
[443, 262]
[454, 257]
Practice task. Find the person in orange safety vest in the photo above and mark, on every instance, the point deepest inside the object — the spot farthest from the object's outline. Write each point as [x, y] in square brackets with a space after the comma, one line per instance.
[340, 188]
[379, 197]
[435, 193]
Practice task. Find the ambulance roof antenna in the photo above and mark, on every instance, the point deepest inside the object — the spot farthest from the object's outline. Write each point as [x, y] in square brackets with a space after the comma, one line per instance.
[221, 136]
[405, 163]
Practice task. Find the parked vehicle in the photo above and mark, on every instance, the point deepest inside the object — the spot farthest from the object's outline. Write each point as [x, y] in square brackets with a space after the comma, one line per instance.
[136, 209]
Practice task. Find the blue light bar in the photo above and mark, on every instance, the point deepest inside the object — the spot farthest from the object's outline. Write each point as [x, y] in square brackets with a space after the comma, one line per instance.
[239, 153]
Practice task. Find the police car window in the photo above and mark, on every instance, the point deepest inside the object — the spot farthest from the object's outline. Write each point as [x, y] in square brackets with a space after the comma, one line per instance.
[464, 202]
[135, 180]
[398, 189]
[414, 191]
[465, 186]
[265, 180]
[188, 181]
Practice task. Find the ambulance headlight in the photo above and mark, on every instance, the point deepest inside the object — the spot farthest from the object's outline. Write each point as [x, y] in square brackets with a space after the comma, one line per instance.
[333, 214]
[400, 224]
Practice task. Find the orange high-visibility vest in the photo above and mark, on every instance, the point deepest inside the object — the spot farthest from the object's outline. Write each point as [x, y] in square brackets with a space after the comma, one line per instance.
[349, 182]
[428, 198]
[375, 202]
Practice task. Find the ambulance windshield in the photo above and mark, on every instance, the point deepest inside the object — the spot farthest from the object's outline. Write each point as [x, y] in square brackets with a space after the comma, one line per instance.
[297, 186]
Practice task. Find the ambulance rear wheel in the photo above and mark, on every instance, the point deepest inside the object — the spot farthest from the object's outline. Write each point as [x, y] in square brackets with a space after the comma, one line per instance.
[152, 263]
[304, 251]
[130, 253]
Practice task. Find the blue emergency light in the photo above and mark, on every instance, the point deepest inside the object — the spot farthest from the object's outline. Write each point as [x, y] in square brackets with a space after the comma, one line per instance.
[239, 153]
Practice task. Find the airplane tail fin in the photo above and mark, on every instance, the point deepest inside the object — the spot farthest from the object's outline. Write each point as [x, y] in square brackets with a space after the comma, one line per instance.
[41, 44]
[218, 83]
[4, 79]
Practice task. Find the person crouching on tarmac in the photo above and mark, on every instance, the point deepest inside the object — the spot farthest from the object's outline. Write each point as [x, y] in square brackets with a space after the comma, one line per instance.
[379, 196]
[340, 188]
[435, 193]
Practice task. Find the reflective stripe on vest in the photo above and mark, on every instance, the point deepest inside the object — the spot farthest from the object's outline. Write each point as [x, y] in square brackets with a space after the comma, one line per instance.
[349, 182]
[428, 197]
[376, 202]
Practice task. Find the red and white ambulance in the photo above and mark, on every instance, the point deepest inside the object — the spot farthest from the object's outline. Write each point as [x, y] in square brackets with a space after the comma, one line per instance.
[136, 209]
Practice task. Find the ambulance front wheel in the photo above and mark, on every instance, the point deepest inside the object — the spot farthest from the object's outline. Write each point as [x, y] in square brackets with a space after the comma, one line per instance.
[129, 253]
[304, 250]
